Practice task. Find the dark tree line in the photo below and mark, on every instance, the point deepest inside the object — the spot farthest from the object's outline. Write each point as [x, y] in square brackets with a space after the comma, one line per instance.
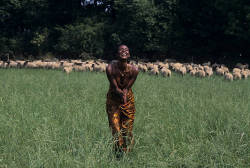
[188, 30]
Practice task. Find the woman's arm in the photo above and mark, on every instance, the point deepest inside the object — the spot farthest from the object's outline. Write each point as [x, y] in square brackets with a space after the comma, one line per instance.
[112, 80]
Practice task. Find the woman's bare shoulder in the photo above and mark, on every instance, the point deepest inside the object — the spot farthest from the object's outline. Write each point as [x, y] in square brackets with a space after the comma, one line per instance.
[134, 68]
[112, 66]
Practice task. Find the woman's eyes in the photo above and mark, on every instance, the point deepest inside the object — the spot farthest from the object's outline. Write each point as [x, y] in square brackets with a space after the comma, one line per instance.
[123, 50]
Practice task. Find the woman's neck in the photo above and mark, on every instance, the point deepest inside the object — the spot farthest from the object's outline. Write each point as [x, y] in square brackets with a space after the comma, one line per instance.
[122, 65]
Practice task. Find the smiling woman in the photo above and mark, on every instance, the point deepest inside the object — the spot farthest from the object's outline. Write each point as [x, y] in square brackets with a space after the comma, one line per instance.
[120, 99]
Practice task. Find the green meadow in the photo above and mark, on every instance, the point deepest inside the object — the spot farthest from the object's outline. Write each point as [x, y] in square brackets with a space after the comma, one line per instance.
[49, 119]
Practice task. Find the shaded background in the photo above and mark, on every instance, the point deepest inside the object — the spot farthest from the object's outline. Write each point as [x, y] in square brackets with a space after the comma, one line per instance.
[186, 30]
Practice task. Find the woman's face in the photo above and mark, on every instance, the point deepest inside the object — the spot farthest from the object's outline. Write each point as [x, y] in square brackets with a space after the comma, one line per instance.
[123, 52]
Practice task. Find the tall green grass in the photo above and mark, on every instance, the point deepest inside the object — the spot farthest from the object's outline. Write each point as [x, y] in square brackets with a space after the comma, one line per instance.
[50, 119]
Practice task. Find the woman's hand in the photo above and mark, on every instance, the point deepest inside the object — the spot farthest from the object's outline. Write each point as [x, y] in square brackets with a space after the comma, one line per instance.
[125, 92]
[119, 92]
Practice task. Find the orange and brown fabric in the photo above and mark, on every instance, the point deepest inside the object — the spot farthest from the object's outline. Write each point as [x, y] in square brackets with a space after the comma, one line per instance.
[121, 119]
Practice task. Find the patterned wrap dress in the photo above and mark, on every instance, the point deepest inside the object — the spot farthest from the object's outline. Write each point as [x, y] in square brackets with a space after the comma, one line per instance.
[121, 118]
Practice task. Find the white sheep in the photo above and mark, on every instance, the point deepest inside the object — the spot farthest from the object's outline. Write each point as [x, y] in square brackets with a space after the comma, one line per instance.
[38, 63]
[21, 63]
[201, 73]
[209, 72]
[228, 76]
[67, 64]
[236, 70]
[79, 68]
[150, 66]
[207, 68]
[154, 71]
[31, 65]
[13, 64]
[237, 75]
[56, 65]
[142, 67]
[3, 64]
[67, 69]
[76, 61]
[99, 68]
[244, 74]
[166, 72]
[219, 71]
[176, 66]
[200, 67]
[225, 69]
[189, 68]
[183, 70]
[248, 71]
[162, 65]
[193, 72]
[89, 67]
[166, 65]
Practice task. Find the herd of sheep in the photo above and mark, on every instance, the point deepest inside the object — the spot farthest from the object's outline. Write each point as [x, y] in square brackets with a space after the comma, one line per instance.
[205, 70]
[154, 68]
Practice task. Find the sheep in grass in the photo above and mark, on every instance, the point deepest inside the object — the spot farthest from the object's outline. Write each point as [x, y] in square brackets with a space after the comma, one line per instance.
[51, 65]
[67, 70]
[225, 69]
[47, 65]
[176, 66]
[96, 68]
[31, 65]
[21, 64]
[207, 68]
[209, 72]
[244, 74]
[103, 67]
[142, 68]
[237, 75]
[79, 68]
[248, 72]
[229, 76]
[236, 70]
[150, 66]
[76, 61]
[189, 68]
[162, 65]
[166, 72]
[13, 64]
[200, 67]
[201, 73]
[193, 72]
[166, 65]
[89, 67]
[67, 64]
[215, 66]
[183, 70]
[219, 71]
[154, 71]
[99, 68]
[56, 65]
[3, 64]
[38, 63]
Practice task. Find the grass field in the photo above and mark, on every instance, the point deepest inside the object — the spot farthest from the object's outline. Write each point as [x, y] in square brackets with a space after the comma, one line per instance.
[49, 119]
